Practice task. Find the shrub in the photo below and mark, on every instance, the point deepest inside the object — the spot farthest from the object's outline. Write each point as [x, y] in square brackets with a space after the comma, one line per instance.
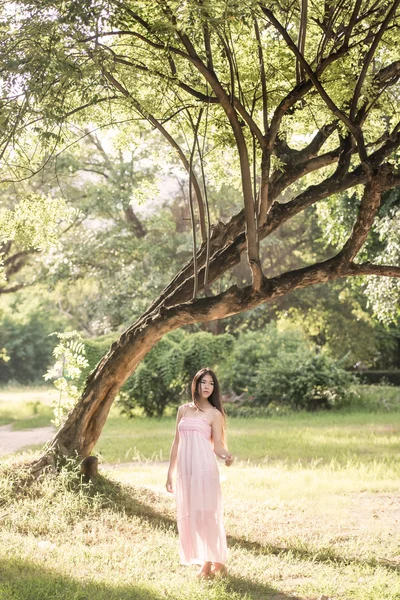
[253, 349]
[303, 380]
[95, 349]
[164, 376]
[70, 361]
[29, 348]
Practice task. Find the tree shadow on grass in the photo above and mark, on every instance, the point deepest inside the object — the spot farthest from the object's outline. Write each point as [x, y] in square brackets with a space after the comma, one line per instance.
[322, 555]
[255, 591]
[25, 580]
[138, 502]
[135, 502]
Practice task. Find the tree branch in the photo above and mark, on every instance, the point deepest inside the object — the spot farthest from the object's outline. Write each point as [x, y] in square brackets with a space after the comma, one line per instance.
[12, 289]
[167, 136]
[228, 241]
[141, 37]
[252, 239]
[352, 22]
[236, 300]
[371, 269]
[195, 141]
[302, 39]
[369, 57]
[368, 209]
[313, 77]
[318, 141]
[193, 92]
[262, 76]
[207, 45]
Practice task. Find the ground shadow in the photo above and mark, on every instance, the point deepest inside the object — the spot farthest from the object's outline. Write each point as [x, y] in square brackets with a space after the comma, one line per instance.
[135, 502]
[24, 580]
[255, 591]
[319, 556]
[129, 500]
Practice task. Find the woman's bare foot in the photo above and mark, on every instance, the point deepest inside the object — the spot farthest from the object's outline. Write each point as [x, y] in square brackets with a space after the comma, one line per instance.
[205, 571]
[219, 569]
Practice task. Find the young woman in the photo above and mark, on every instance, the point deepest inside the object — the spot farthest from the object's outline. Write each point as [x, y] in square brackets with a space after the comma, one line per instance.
[199, 437]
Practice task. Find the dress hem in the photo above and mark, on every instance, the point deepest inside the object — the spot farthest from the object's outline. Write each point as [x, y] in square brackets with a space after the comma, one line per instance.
[197, 561]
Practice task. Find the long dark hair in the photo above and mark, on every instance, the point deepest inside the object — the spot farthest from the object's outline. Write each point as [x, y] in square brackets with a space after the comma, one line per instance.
[214, 399]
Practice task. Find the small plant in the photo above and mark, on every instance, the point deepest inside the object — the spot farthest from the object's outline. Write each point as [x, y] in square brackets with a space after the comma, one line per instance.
[35, 406]
[3, 355]
[70, 361]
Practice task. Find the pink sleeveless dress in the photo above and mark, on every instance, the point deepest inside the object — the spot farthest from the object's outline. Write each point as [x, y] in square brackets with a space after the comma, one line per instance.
[198, 495]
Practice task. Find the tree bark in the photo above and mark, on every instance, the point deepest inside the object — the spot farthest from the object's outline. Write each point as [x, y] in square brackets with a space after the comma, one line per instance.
[78, 436]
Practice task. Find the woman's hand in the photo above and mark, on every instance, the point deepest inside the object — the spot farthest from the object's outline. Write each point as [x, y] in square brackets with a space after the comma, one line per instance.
[170, 484]
[229, 459]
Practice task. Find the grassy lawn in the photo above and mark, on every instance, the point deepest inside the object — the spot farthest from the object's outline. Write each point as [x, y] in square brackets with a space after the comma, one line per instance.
[311, 508]
[306, 438]
[26, 408]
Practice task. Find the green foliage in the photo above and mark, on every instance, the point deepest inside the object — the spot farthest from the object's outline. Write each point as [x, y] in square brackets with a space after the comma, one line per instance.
[164, 375]
[95, 349]
[28, 347]
[281, 369]
[34, 222]
[337, 215]
[3, 355]
[303, 380]
[336, 317]
[70, 361]
[253, 349]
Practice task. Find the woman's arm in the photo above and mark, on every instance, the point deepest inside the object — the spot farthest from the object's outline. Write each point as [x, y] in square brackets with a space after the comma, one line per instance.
[219, 450]
[173, 455]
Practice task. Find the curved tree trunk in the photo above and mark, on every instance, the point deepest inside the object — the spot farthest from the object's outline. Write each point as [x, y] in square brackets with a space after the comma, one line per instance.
[79, 434]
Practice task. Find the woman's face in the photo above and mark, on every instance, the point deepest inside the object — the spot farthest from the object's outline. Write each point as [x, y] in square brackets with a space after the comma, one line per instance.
[206, 386]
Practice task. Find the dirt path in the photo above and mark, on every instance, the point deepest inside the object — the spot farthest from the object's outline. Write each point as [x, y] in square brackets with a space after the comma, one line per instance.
[12, 441]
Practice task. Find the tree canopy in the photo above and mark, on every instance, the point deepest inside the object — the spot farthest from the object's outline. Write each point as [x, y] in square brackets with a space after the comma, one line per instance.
[281, 93]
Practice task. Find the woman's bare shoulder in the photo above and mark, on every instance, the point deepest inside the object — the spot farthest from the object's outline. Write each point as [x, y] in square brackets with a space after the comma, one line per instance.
[215, 414]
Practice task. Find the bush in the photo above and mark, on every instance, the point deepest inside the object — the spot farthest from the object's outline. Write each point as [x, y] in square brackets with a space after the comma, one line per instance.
[28, 346]
[282, 370]
[164, 376]
[95, 349]
[302, 380]
[276, 370]
[253, 349]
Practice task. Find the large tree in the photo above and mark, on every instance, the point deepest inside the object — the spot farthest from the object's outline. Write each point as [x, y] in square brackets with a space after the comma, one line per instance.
[297, 101]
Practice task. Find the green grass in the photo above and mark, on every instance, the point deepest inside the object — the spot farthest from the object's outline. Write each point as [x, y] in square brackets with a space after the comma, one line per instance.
[26, 408]
[298, 437]
[311, 508]
[292, 532]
